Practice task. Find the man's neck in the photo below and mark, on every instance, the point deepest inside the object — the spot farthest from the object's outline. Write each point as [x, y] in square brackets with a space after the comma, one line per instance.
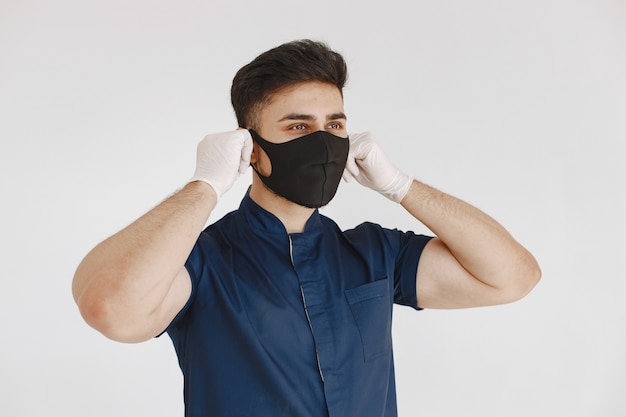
[292, 215]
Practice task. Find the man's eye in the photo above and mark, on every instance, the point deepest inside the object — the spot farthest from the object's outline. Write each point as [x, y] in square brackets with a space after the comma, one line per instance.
[334, 126]
[299, 127]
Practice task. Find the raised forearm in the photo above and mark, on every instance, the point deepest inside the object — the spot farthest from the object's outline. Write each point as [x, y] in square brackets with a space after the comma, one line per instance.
[480, 244]
[129, 274]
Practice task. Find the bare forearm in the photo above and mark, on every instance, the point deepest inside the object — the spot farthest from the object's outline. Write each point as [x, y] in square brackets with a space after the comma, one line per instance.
[129, 274]
[480, 244]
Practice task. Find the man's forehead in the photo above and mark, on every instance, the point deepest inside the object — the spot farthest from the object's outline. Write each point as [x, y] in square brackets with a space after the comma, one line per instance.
[306, 101]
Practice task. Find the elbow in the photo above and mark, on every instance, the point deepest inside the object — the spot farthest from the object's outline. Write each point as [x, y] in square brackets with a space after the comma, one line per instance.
[525, 277]
[99, 314]
[102, 304]
[103, 314]
[95, 312]
[102, 317]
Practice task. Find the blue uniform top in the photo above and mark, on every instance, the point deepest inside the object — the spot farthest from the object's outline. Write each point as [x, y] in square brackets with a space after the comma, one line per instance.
[293, 324]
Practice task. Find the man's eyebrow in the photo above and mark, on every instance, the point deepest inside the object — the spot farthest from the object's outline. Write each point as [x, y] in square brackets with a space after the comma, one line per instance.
[298, 116]
[337, 116]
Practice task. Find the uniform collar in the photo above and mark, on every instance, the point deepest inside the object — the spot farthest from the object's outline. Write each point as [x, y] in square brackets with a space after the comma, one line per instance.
[264, 221]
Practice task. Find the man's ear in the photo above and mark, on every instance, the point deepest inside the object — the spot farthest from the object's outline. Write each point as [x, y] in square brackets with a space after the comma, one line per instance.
[255, 152]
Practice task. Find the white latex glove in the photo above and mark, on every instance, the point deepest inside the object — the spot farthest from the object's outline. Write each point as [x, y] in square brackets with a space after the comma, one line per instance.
[370, 166]
[221, 158]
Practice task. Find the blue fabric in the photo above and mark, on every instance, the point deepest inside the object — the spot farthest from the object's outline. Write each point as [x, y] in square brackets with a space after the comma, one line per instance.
[293, 325]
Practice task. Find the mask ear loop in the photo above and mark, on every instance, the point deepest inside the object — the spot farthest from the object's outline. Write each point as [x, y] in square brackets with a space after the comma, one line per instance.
[254, 136]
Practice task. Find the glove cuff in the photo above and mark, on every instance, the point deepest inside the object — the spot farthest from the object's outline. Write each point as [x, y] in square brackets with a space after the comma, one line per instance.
[198, 178]
[399, 187]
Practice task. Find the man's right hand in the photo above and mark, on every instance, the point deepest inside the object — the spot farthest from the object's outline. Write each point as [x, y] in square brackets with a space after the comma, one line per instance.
[221, 158]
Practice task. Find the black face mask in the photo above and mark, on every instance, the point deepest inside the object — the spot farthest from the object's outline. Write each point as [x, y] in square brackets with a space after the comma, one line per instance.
[305, 170]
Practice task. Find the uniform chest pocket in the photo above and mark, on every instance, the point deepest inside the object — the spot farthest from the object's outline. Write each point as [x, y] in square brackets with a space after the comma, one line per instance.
[371, 308]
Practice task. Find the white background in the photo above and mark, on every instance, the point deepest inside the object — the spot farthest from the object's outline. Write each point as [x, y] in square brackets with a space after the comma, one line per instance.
[518, 107]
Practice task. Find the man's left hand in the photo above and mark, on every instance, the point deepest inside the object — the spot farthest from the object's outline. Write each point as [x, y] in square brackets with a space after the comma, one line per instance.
[370, 166]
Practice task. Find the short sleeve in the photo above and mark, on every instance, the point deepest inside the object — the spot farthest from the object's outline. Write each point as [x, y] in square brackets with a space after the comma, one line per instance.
[407, 261]
[193, 265]
[393, 252]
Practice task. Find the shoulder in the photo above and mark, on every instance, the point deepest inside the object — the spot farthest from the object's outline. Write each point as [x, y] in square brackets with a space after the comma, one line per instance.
[213, 242]
[367, 235]
[373, 232]
[373, 236]
[220, 229]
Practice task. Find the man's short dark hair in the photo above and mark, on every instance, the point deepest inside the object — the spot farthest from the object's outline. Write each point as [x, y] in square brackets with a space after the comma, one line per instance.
[285, 65]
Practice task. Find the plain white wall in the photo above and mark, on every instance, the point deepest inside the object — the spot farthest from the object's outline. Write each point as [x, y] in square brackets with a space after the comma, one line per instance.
[517, 107]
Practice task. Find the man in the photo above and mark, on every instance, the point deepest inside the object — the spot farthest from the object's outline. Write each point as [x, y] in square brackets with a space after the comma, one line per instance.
[273, 310]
